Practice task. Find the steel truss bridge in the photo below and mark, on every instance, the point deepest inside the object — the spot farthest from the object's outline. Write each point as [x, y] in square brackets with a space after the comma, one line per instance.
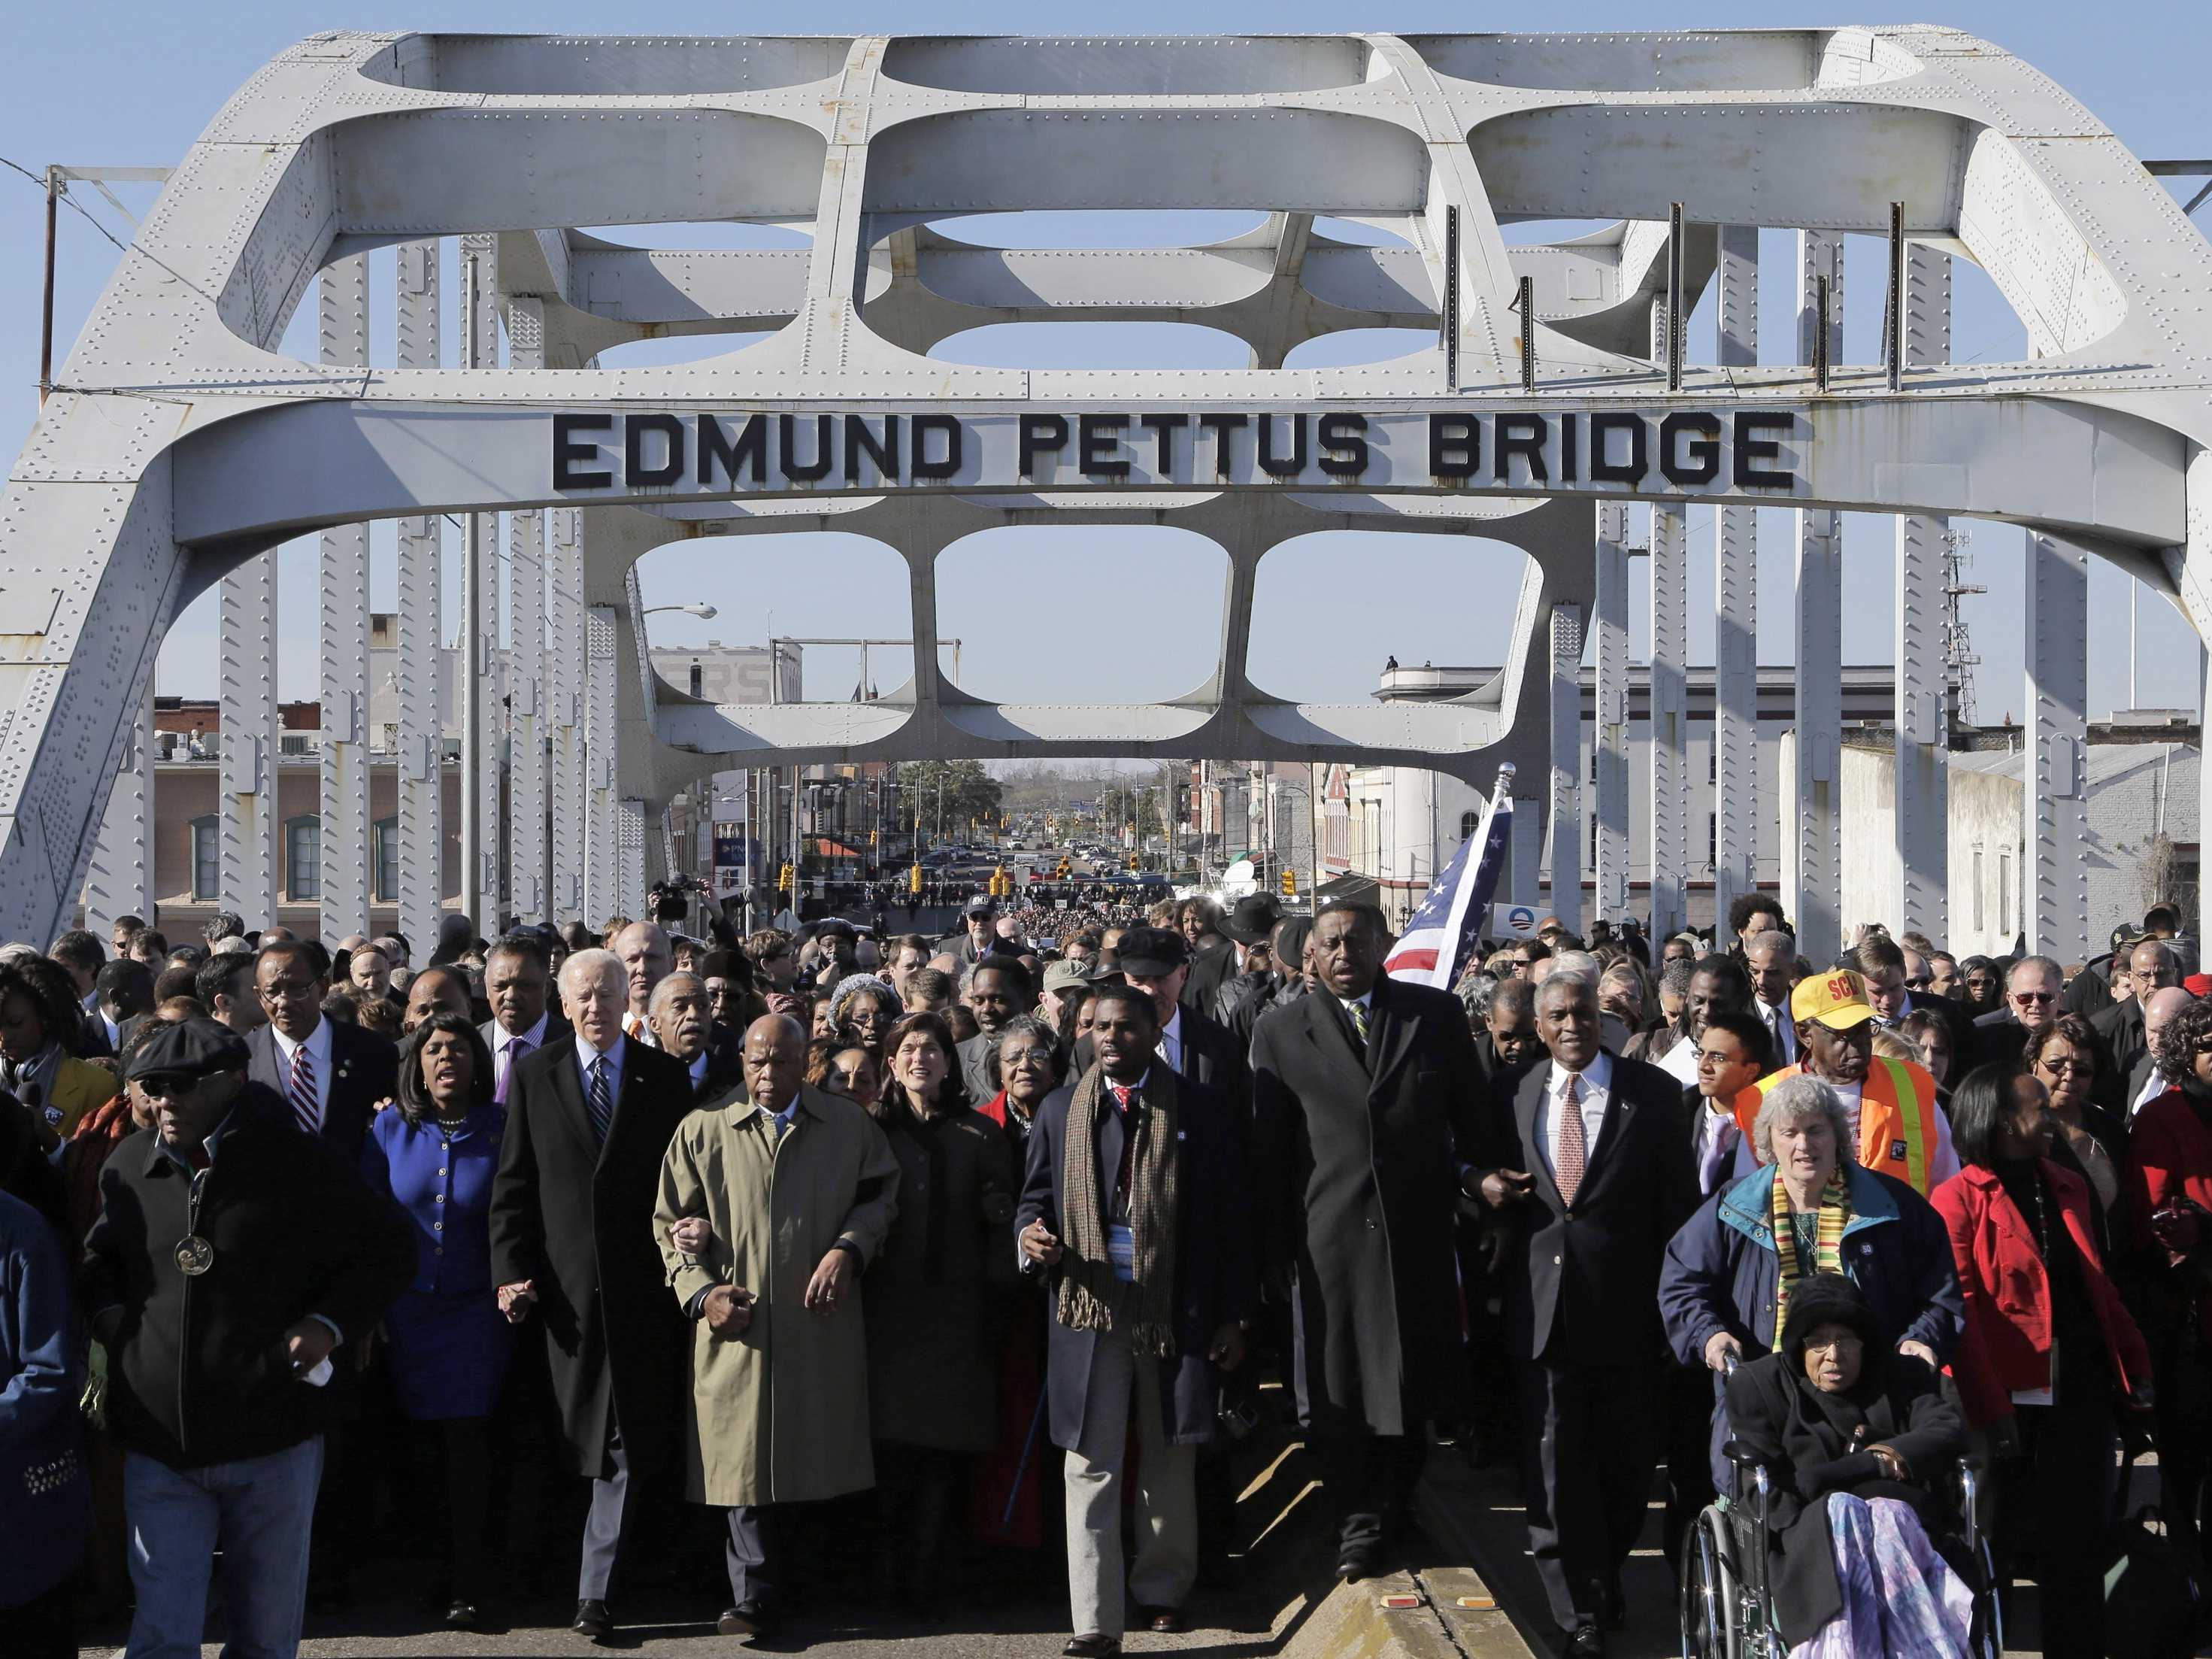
[180, 445]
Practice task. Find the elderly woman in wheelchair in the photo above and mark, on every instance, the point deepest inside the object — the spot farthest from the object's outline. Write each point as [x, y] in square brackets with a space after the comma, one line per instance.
[1844, 1450]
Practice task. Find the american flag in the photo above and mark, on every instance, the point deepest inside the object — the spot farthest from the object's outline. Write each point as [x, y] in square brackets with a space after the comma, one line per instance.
[1443, 933]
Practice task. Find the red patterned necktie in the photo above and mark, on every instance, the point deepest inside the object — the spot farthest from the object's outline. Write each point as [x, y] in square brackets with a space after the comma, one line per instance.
[304, 1106]
[1574, 1148]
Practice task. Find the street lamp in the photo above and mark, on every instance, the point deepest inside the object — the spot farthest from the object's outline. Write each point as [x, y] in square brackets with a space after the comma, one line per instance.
[703, 612]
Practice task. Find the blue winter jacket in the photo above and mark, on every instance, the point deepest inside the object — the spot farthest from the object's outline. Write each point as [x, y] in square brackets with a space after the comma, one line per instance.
[46, 1495]
[1722, 1270]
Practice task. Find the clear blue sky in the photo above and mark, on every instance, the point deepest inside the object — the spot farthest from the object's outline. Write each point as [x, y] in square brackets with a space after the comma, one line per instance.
[1042, 617]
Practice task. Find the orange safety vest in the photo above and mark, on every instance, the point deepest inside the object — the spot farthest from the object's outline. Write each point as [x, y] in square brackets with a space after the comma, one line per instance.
[1897, 1117]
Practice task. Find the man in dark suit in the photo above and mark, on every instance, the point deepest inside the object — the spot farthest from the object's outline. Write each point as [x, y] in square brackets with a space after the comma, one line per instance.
[2145, 1082]
[1365, 1108]
[2031, 1002]
[332, 1076]
[1099, 1373]
[1593, 1177]
[1199, 1051]
[2153, 966]
[518, 985]
[681, 1014]
[1157, 962]
[588, 1123]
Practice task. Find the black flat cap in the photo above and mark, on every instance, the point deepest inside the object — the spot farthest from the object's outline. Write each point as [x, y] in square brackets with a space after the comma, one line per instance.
[190, 1047]
[1151, 952]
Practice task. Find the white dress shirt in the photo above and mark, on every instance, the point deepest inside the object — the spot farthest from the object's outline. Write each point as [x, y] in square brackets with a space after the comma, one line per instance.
[503, 1057]
[1777, 1021]
[2154, 1086]
[1595, 1096]
[586, 1054]
[318, 1046]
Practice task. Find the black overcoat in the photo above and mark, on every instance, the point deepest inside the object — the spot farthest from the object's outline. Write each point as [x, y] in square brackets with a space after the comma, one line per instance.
[1214, 1282]
[1358, 1161]
[1582, 1286]
[575, 1218]
[1807, 1458]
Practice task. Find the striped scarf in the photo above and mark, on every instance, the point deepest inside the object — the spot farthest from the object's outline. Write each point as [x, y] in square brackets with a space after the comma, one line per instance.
[1091, 1296]
[1827, 1248]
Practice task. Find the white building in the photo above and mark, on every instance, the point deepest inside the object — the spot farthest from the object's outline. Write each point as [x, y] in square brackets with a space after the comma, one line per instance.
[2140, 774]
[1398, 825]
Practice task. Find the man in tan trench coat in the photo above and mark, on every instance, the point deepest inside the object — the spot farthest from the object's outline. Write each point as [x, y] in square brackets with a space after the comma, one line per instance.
[772, 1201]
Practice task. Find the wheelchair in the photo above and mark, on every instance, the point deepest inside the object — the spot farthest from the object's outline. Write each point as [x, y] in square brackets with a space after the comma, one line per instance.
[1727, 1604]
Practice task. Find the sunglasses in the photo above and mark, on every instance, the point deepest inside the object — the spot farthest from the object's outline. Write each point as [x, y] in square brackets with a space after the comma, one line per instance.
[167, 1085]
[2033, 996]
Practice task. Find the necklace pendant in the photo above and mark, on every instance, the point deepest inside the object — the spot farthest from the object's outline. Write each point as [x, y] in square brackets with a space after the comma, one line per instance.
[195, 1255]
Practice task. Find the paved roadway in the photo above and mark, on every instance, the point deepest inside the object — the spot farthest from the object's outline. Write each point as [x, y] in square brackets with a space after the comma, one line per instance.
[1285, 1574]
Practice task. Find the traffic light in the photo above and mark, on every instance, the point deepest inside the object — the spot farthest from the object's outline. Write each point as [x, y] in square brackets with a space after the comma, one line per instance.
[1289, 884]
[913, 879]
[1133, 861]
[875, 838]
[783, 879]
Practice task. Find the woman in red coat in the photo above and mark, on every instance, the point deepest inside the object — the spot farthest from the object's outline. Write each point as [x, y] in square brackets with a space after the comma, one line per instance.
[2169, 1203]
[2048, 1344]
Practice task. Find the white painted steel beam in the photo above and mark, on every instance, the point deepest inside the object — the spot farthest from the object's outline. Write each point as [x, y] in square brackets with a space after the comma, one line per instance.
[602, 865]
[2055, 891]
[247, 742]
[345, 862]
[1813, 820]
[120, 882]
[1667, 803]
[1736, 808]
[1923, 775]
[487, 657]
[1562, 828]
[1609, 623]
[564, 720]
[1672, 851]
[420, 654]
[528, 867]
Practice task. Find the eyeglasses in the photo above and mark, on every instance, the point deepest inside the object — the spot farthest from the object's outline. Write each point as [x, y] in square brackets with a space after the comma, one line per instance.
[2067, 1066]
[166, 1085]
[1844, 1344]
[2034, 996]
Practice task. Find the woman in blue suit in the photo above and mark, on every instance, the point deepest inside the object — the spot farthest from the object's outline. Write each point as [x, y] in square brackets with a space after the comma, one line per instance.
[435, 1156]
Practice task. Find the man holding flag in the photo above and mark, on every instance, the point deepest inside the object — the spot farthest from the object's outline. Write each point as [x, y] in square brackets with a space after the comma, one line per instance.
[1365, 1102]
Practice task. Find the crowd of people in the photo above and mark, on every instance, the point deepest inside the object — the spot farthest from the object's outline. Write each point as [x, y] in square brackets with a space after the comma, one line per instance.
[891, 1253]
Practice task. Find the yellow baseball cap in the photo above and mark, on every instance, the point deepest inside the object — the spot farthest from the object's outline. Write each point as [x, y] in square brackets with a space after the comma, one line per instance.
[1837, 1000]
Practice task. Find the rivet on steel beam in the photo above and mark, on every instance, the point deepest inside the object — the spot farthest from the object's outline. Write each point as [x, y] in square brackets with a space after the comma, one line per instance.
[1893, 333]
[1820, 333]
[1450, 319]
[1526, 304]
[1674, 297]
